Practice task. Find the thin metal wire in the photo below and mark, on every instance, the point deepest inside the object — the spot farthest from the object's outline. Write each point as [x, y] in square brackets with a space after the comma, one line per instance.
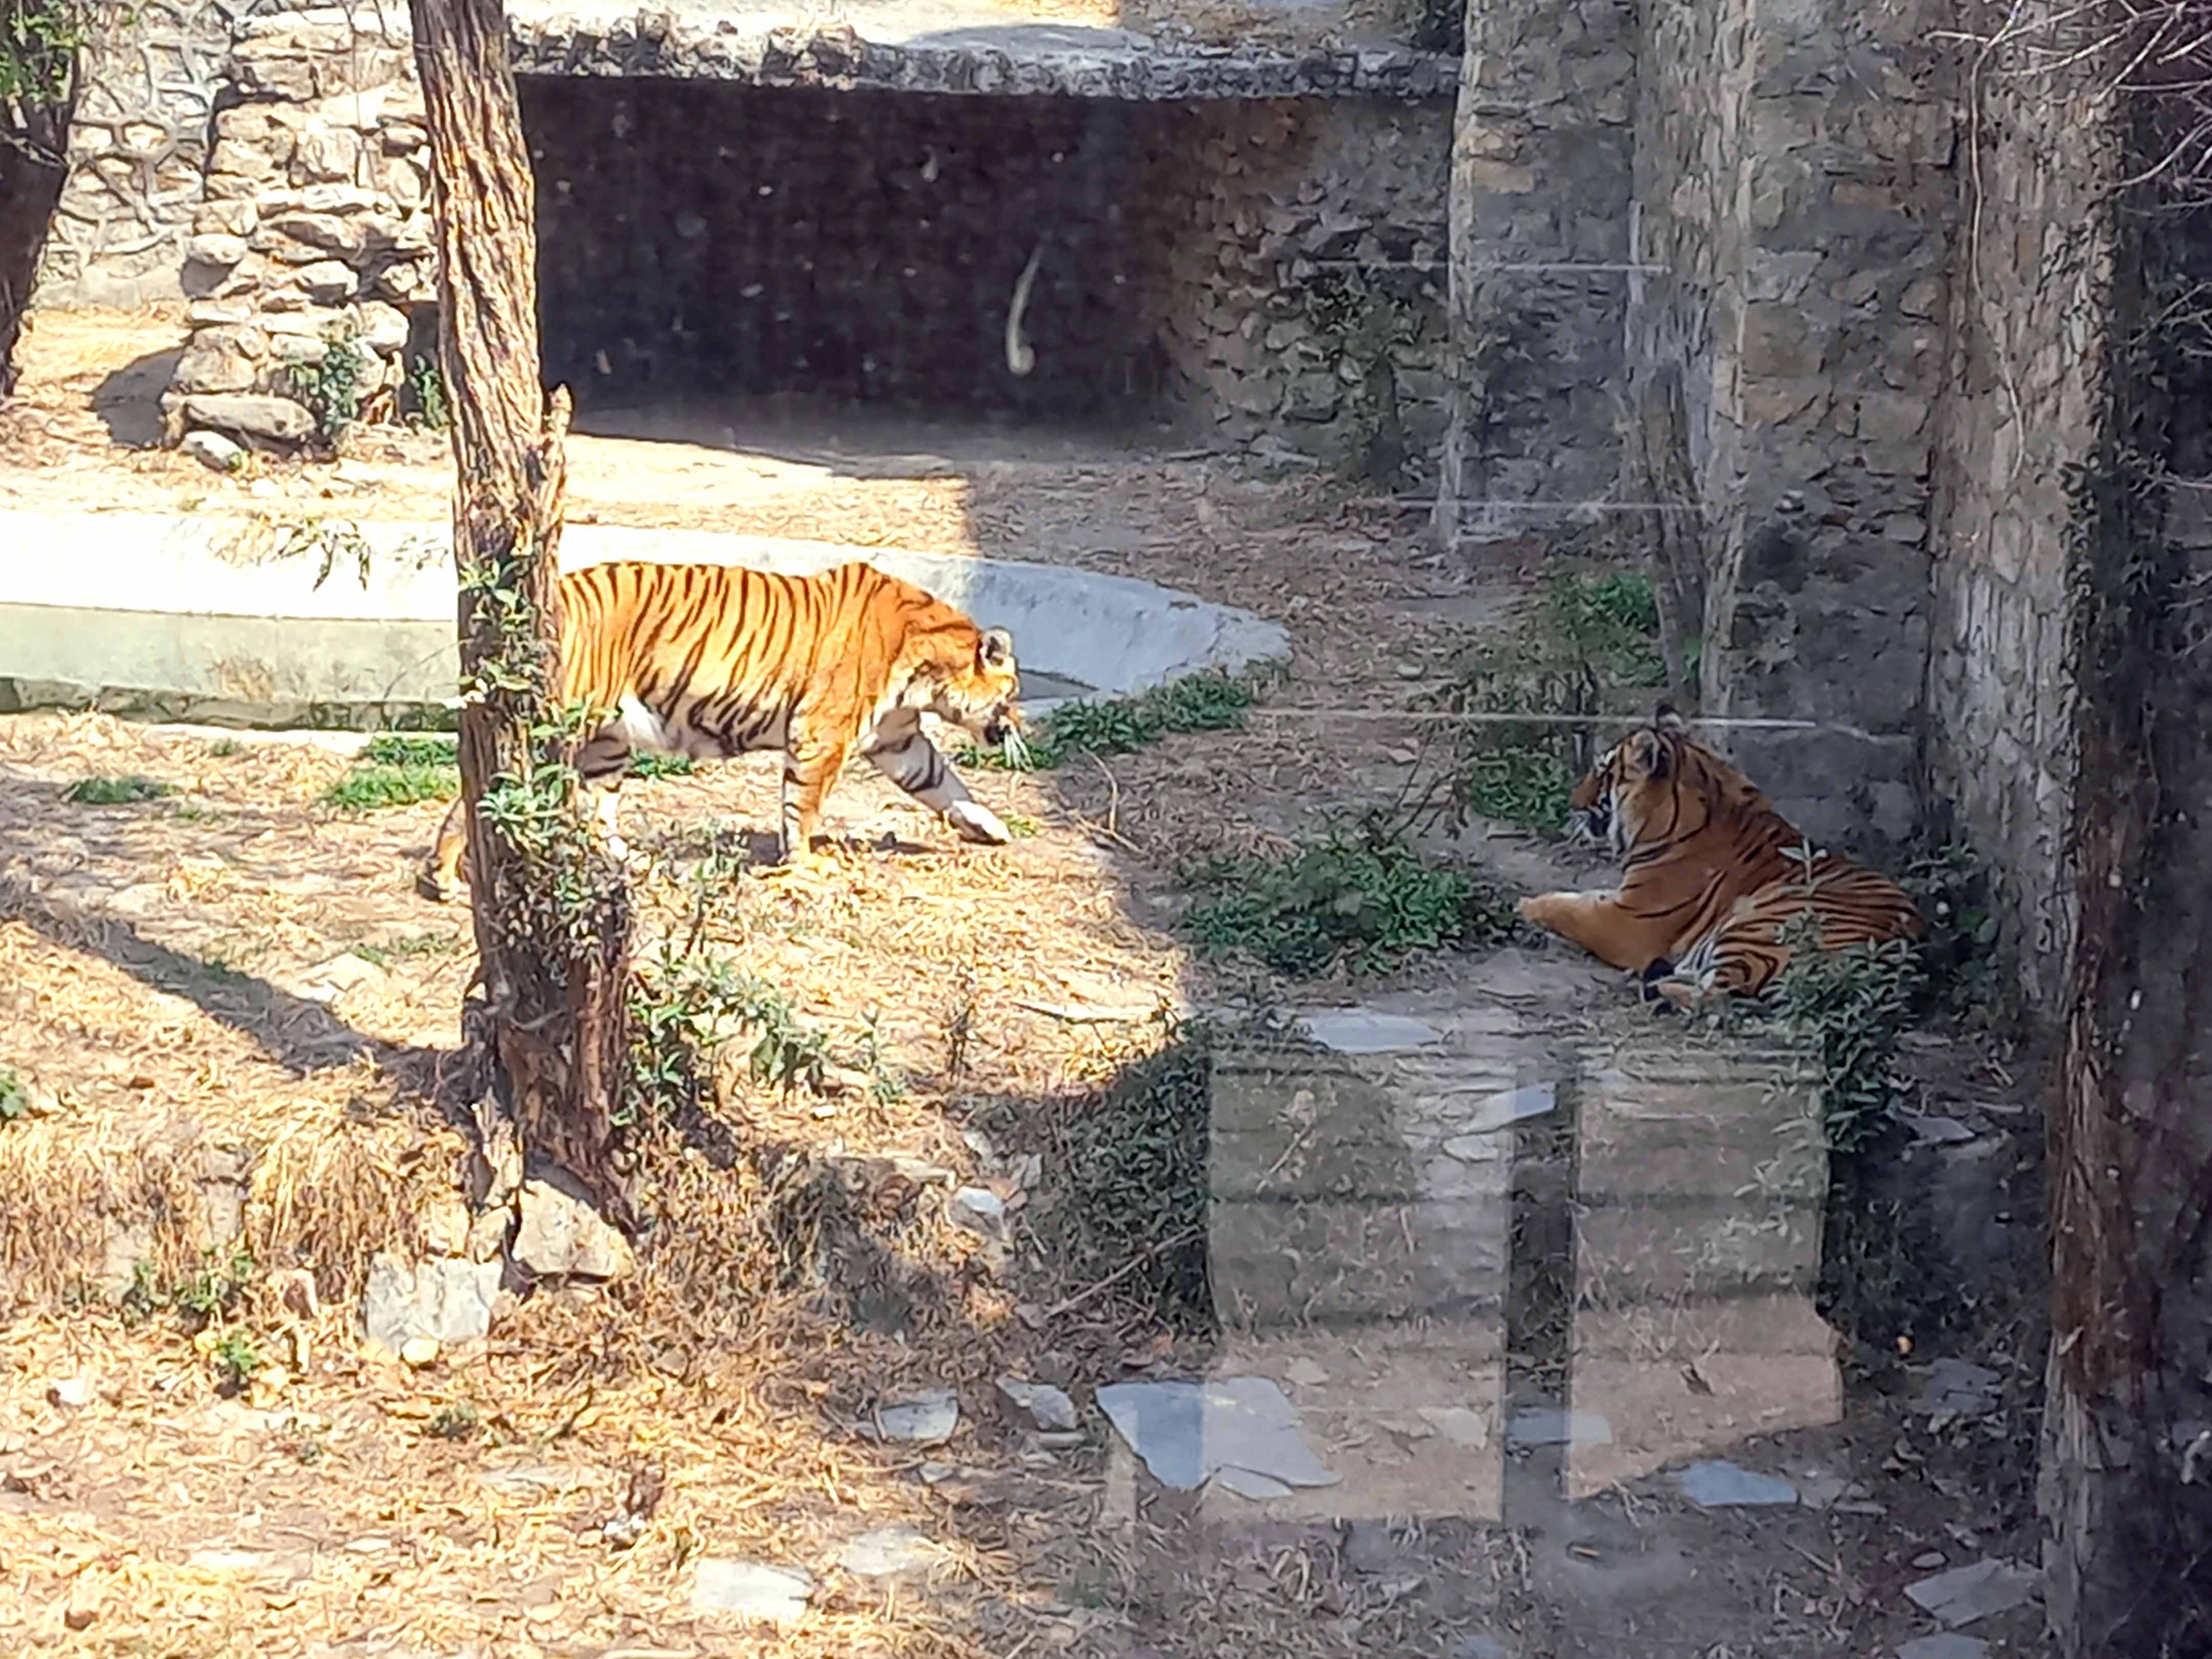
[1457, 717]
[1554, 265]
[1425, 502]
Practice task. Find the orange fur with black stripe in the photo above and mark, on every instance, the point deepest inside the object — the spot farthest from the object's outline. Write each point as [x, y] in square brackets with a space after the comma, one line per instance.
[1713, 874]
[711, 661]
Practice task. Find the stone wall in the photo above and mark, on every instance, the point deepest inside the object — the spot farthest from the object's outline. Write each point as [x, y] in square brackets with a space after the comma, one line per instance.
[314, 231]
[1796, 185]
[138, 151]
[1257, 269]
[2028, 374]
[1303, 304]
[1541, 167]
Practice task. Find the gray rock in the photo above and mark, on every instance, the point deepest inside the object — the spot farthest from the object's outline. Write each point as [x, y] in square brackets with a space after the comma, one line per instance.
[383, 327]
[1510, 1107]
[1482, 1647]
[1959, 1389]
[1187, 1431]
[219, 360]
[445, 1300]
[328, 280]
[216, 248]
[979, 1210]
[887, 1553]
[1245, 1484]
[278, 420]
[562, 1236]
[926, 1420]
[1965, 1594]
[1717, 1484]
[1039, 1405]
[1364, 1031]
[1547, 1425]
[1948, 1645]
[751, 1589]
[213, 451]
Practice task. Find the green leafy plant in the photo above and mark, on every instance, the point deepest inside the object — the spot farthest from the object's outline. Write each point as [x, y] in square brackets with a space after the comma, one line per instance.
[1361, 901]
[15, 1096]
[685, 1007]
[455, 1422]
[644, 763]
[1590, 639]
[426, 396]
[1843, 1012]
[215, 1288]
[236, 1358]
[1207, 701]
[116, 792]
[398, 769]
[332, 385]
[40, 41]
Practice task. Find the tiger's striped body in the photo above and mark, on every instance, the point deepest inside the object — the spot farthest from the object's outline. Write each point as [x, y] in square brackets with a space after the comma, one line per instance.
[1713, 874]
[712, 661]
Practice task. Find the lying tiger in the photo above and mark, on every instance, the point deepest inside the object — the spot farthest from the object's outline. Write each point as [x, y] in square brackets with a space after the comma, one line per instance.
[1713, 874]
[711, 661]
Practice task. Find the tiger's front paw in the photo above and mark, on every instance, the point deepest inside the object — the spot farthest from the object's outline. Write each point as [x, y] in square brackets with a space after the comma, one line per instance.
[978, 823]
[1539, 909]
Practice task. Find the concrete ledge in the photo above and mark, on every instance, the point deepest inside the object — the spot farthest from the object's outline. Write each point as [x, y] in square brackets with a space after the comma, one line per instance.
[222, 620]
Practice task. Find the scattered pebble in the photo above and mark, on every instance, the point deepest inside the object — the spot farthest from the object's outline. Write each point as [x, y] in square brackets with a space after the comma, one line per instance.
[1960, 1389]
[213, 451]
[886, 1552]
[1547, 1425]
[1187, 1431]
[70, 1393]
[1363, 1030]
[979, 1209]
[1038, 1404]
[1929, 1560]
[418, 1351]
[925, 1419]
[1303, 1372]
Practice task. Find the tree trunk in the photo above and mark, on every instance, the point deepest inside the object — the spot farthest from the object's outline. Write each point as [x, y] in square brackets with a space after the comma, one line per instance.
[2126, 1488]
[34, 167]
[1659, 463]
[552, 920]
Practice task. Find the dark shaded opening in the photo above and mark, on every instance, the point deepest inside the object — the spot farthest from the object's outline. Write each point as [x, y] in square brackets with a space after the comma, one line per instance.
[860, 247]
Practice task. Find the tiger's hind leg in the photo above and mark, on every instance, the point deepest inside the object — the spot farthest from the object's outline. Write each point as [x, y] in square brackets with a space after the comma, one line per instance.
[911, 760]
[440, 877]
[1740, 957]
[810, 767]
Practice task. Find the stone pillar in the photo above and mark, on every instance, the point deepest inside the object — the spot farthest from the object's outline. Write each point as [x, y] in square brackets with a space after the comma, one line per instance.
[1803, 214]
[1540, 179]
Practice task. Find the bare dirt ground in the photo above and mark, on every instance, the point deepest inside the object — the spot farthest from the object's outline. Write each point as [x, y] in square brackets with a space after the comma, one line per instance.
[231, 978]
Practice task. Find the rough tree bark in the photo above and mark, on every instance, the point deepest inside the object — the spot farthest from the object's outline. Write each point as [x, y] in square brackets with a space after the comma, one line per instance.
[552, 920]
[38, 94]
[1659, 465]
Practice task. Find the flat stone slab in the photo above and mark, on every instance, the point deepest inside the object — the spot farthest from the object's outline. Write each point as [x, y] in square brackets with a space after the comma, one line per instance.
[1947, 1644]
[201, 616]
[1365, 1031]
[925, 1419]
[1186, 1433]
[887, 1553]
[444, 1300]
[1975, 1591]
[752, 1590]
[1719, 1484]
[1547, 1425]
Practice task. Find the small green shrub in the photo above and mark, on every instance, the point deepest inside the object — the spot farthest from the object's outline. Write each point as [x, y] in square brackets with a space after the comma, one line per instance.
[426, 404]
[644, 763]
[116, 792]
[684, 1006]
[332, 388]
[1844, 1011]
[1363, 902]
[236, 1358]
[216, 1287]
[1207, 701]
[1590, 638]
[398, 768]
[15, 1096]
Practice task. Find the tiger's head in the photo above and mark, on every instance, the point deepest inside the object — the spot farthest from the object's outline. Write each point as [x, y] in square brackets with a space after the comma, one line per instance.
[1658, 782]
[974, 683]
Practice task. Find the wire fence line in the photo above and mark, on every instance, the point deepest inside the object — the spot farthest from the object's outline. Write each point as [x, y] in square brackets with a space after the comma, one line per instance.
[1493, 717]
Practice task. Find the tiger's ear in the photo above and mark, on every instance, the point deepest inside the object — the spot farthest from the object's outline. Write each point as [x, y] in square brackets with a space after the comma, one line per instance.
[1652, 755]
[995, 648]
[1667, 718]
